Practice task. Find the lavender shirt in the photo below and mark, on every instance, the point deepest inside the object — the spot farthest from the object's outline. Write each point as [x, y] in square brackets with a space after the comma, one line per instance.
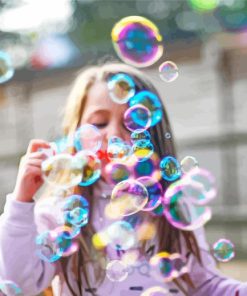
[19, 225]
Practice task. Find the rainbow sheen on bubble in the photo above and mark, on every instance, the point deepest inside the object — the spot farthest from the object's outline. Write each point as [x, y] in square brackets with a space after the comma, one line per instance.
[6, 67]
[116, 271]
[148, 167]
[185, 205]
[151, 101]
[76, 210]
[117, 172]
[224, 250]
[168, 71]
[62, 170]
[137, 41]
[170, 168]
[140, 134]
[129, 197]
[137, 117]
[87, 137]
[9, 288]
[142, 150]
[188, 163]
[155, 192]
[91, 169]
[121, 88]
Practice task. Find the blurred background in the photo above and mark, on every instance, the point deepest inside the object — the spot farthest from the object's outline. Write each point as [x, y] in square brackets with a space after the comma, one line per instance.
[50, 41]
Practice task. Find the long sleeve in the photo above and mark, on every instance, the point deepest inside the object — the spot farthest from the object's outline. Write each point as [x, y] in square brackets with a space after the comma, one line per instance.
[18, 260]
[207, 279]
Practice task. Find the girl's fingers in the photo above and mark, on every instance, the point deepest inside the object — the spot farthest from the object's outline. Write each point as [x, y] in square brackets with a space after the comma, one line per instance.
[36, 144]
[37, 155]
[35, 162]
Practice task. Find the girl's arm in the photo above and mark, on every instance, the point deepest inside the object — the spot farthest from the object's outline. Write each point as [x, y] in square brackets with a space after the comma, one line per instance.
[207, 279]
[18, 260]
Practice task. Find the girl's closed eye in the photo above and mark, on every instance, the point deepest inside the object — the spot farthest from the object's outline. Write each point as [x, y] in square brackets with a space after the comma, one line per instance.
[100, 124]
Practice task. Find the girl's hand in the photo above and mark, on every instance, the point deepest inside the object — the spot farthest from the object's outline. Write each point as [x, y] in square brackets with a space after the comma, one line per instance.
[29, 178]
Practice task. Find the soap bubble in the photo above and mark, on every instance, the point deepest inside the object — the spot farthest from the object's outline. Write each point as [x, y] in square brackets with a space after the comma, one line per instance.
[206, 179]
[91, 168]
[223, 250]
[168, 71]
[184, 205]
[117, 149]
[188, 163]
[121, 235]
[129, 197]
[137, 41]
[137, 117]
[62, 170]
[76, 210]
[155, 192]
[87, 137]
[65, 245]
[47, 246]
[116, 271]
[170, 168]
[117, 172]
[6, 67]
[9, 288]
[140, 134]
[165, 266]
[121, 88]
[152, 102]
[155, 291]
[142, 150]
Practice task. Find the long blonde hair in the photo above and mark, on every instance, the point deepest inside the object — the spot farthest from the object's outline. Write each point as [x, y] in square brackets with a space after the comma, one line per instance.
[168, 236]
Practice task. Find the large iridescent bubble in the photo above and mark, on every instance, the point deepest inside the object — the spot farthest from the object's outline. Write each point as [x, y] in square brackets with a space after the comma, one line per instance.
[151, 101]
[128, 197]
[63, 170]
[6, 67]
[137, 117]
[185, 205]
[137, 41]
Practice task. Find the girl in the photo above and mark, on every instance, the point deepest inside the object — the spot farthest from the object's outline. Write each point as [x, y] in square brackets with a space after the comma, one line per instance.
[82, 273]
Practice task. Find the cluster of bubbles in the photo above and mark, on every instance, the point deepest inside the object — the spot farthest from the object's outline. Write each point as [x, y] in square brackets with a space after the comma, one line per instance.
[223, 250]
[137, 41]
[9, 288]
[166, 266]
[136, 174]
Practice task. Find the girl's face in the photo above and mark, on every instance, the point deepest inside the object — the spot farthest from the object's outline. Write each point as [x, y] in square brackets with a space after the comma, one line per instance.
[106, 115]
